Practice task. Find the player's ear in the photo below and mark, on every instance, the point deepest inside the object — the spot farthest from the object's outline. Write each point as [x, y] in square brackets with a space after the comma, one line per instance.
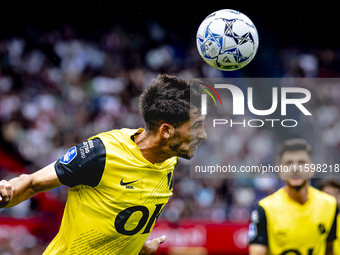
[165, 130]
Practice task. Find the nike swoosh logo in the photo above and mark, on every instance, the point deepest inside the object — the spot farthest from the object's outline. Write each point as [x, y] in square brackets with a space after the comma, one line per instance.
[126, 183]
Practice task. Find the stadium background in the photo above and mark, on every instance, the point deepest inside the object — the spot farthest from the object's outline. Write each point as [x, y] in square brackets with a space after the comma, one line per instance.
[70, 71]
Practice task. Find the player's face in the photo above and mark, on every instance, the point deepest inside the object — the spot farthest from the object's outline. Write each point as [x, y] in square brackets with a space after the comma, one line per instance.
[188, 136]
[295, 161]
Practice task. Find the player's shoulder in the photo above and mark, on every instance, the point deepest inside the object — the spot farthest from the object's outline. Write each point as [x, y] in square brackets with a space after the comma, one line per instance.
[322, 196]
[273, 199]
[117, 135]
[171, 162]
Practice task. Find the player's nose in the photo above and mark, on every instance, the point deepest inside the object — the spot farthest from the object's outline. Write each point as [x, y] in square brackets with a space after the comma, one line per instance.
[202, 135]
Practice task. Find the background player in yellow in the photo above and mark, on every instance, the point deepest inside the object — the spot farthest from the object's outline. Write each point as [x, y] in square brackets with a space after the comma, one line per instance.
[297, 219]
[120, 180]
[332, 187]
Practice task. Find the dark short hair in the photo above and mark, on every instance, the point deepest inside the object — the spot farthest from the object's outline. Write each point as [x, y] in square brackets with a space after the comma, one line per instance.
[295, 144]
[167, 99]
[326, 183]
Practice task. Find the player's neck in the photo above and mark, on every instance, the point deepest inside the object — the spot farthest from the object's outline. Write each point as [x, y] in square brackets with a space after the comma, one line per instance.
[151, 149]
[298, 195]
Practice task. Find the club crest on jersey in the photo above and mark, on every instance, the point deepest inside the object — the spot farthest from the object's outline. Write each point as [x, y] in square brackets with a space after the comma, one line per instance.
[321, 228]
[254, 216]
[69, 156]
[252, 231]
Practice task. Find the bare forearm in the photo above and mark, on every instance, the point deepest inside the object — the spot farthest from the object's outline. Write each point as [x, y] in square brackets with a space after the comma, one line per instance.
[151, 246]
[142, 251]
[329, 248]
[25, 186]
[21, 191]
[257, 249]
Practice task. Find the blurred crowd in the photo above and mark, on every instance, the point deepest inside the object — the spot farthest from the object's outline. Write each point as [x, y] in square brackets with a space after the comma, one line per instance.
[58, 88]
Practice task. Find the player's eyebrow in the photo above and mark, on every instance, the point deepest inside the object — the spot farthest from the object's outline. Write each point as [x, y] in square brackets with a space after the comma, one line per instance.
[288, 162]
[197, 111]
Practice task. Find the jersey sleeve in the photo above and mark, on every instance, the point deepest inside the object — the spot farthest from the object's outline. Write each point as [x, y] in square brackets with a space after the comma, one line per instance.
[83, 164]
[332, 233]
[257, 232]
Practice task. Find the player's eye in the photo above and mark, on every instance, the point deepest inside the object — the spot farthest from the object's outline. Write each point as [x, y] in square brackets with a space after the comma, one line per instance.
[197, 125]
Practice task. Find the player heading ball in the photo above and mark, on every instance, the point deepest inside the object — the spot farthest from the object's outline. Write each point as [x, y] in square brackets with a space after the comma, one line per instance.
[120, 180]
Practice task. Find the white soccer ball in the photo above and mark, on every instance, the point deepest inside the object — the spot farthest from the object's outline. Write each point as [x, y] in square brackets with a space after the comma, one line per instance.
[227, 40]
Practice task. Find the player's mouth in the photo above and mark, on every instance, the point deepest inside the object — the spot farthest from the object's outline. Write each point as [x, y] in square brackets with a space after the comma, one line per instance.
[296, 177]
[194, 146]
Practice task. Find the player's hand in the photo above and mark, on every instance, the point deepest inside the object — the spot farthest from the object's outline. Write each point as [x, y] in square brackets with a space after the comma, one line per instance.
[6, 193]
[151, 246]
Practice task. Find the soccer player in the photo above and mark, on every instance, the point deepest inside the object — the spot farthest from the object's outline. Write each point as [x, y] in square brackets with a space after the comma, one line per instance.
[119, 181]
[332, 187]
[297, 219]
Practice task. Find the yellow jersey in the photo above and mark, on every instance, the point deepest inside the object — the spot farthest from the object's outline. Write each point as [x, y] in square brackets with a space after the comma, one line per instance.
[289, 228]
[336, 243]
[115, 196]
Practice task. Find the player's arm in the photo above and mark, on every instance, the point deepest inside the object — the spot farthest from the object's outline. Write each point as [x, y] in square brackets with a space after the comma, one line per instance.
[25, 186]
[151, 246]
[81, 165]
[329, 248]
[257, 249]
[258, 238]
